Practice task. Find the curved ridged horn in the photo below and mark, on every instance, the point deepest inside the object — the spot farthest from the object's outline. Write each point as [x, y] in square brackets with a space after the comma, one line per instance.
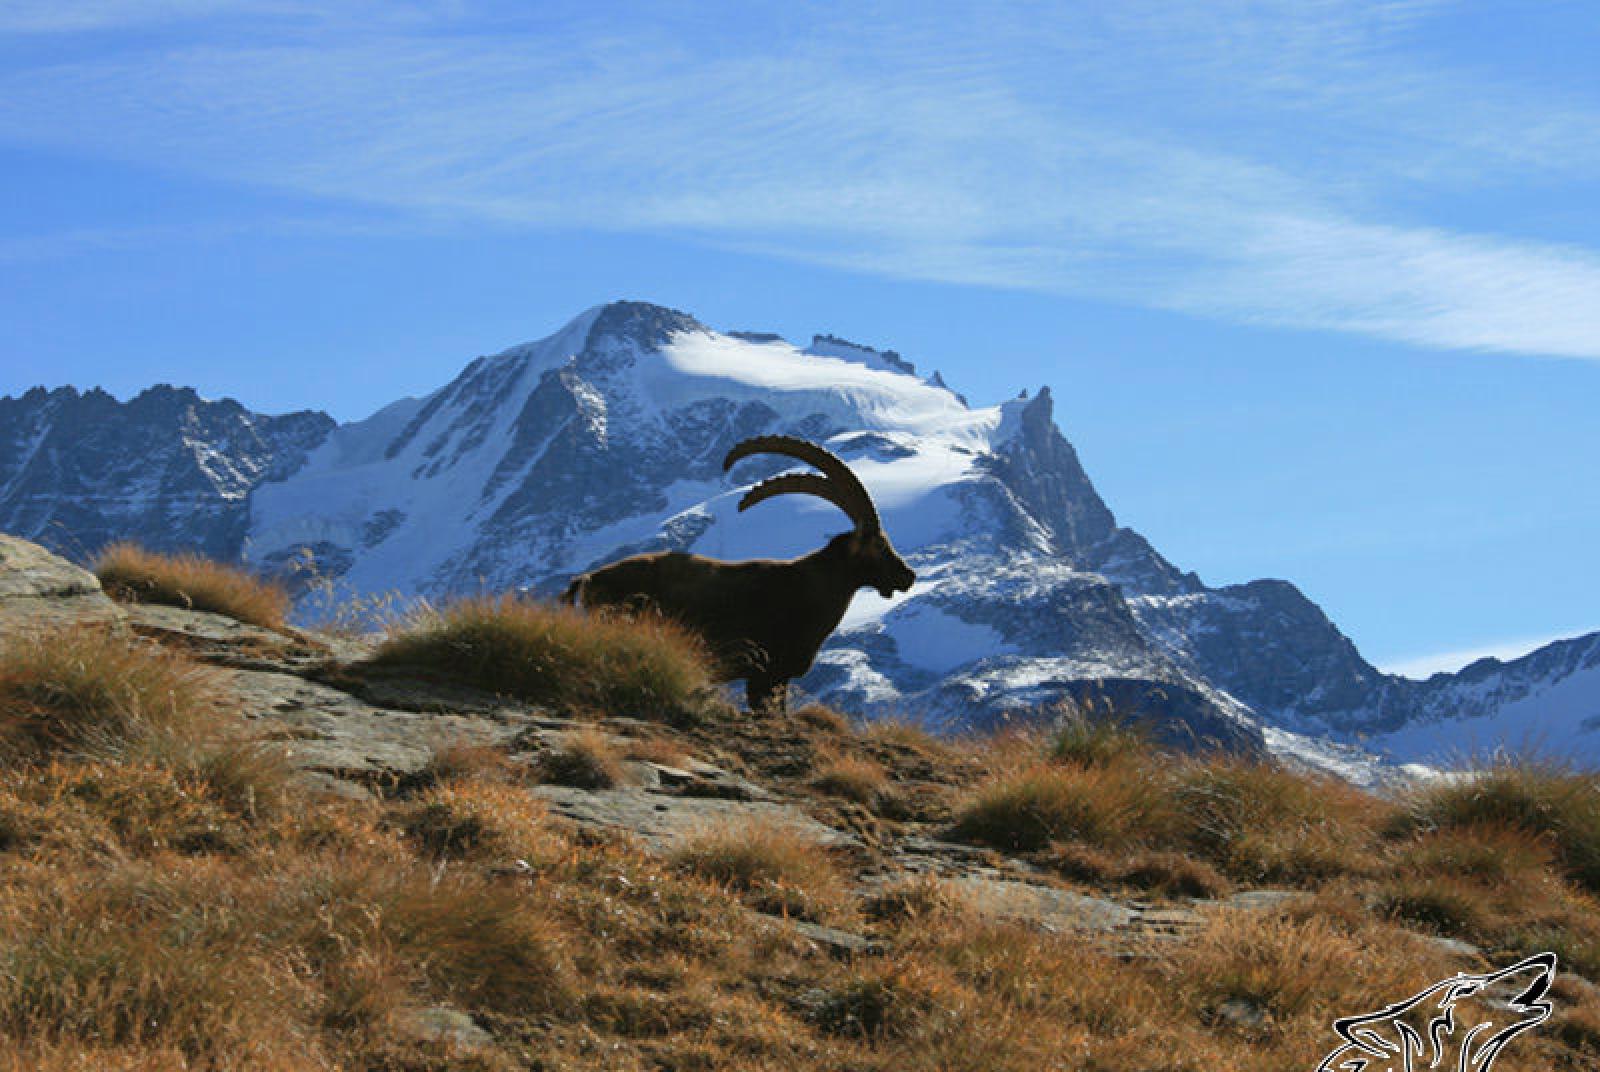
[837, 484]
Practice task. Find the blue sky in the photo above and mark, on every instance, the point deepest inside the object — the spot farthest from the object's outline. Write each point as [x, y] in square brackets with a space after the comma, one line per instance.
[1317, 284]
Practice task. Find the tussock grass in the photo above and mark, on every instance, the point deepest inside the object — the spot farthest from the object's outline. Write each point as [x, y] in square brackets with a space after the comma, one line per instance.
[1435, 901]
[87, 689]
[1098, 784]
[132, 574]
[585, 759]
[1099, 742]
[887, 1002]
[917, 897]
[661, 750]
[1166, 873]
[1260, 822]
[1029, 808]
[823, 718]
[99, 692]
[1539, 797]
[905, 736]
[855, 778]
[642, 667]
[776, 867]
[483, 820]
[1293, 968]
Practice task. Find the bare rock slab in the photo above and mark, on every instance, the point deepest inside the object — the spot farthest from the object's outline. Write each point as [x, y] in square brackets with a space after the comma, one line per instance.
[41, 589]
[1043, 906]
[661, 821]
[324, 729]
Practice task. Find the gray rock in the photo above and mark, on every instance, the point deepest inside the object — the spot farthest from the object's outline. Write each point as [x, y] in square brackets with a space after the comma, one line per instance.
[1045, 906]
[1453, 946]
[323, 729]
[662, 821]
[837, 942]
[440, 1023]
[1241, 1014]
[1258, 900]
[41, 589]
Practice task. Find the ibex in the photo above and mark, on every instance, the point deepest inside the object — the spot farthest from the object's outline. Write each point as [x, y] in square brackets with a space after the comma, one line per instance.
[764, 619]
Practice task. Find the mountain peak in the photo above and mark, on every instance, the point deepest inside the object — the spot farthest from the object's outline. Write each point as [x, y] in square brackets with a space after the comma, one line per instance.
[643, 323]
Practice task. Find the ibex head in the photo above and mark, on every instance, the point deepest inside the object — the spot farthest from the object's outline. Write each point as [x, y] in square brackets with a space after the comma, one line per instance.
[871, 558]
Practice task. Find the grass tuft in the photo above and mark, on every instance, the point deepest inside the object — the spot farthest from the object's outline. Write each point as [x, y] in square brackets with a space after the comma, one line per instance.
[1098, 742]
[854, 778]
[1165, 873]
[643, 667]
[586, 758]
[79, 689]
[134, 575]
[1261, 822]
[1541, 798]
[1029, 808]
[775, 866]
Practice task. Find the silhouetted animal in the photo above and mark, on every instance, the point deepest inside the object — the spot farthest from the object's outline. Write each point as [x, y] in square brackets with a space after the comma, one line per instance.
[1460, 1024]
[763, 619]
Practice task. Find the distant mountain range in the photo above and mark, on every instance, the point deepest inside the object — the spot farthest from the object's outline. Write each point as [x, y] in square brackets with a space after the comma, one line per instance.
[606, 438]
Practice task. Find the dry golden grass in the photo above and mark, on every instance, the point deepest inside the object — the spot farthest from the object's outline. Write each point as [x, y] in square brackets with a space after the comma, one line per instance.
[151, 918]
[98, 690]
[643, 667]
[484, 820]
[904, 735]
[1149, 871]
[130, 573]
[466, 760]
[854, 778]
[103, 693]
[586, 758]
[776, 867]
[1027, 809]
[1099, 742]
[822, 718]
[1539, 797]
[662, 750]
[1259, 822]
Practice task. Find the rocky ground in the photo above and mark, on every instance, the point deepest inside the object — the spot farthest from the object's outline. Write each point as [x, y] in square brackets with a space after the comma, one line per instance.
[352, 731]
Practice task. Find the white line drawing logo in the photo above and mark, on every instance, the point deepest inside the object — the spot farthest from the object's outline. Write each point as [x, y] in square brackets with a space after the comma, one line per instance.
[1423, 1028]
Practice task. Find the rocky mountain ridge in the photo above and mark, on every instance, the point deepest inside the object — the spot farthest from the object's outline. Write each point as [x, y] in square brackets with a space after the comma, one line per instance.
[606, 438]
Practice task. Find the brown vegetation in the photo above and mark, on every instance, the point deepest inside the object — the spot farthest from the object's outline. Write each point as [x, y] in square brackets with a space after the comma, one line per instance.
[854, 778]
[585, 759]
[130, 573]
[776, 867]
[645, 668]
[160, 909]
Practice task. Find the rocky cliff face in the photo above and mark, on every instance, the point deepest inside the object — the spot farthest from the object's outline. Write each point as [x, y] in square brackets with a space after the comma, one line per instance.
[168, 468]
[606, 439]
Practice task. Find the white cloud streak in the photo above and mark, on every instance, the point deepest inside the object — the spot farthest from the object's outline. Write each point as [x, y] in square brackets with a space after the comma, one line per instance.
[1422, 667]
[1236, 163]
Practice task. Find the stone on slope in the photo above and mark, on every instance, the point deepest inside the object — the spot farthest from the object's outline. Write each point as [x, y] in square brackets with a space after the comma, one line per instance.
[663, 820]
[41, 589]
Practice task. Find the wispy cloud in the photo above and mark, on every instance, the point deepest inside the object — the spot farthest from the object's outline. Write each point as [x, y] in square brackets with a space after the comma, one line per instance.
[1254, 162]
[1421, 667]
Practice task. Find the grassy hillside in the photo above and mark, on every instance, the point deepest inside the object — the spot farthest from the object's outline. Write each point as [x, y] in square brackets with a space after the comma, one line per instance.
[174, 893]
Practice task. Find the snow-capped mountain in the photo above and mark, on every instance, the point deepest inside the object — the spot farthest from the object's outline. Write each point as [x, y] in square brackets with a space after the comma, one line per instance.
[606, 439]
